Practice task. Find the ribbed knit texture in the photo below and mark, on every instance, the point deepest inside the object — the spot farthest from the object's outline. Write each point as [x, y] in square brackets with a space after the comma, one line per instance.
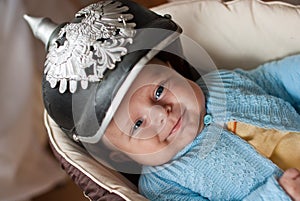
[218, 165]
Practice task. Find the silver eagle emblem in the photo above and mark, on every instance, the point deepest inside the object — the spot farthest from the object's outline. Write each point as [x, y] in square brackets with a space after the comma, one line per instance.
[84, 50]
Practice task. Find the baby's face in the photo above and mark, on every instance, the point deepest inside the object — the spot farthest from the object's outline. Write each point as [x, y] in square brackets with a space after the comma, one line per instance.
[161, 113]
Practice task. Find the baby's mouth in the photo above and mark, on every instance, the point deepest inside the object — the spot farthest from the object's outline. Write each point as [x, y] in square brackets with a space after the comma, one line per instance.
[176, 126]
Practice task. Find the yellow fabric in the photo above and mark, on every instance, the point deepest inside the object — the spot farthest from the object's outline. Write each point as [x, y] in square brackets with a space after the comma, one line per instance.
[283, 148]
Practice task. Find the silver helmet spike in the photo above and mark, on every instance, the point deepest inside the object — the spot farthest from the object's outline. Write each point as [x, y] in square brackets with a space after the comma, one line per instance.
[42, 28]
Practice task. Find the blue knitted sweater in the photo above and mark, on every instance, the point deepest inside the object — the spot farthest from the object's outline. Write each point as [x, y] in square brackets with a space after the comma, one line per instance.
[219, 165]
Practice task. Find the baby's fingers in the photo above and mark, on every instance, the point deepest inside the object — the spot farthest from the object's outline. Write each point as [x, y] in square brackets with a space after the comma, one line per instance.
[292, 173]
[290, 182]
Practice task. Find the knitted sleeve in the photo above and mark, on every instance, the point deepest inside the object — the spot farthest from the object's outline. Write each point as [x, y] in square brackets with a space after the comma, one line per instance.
[155, 188]
[269, 191]
[279, 78]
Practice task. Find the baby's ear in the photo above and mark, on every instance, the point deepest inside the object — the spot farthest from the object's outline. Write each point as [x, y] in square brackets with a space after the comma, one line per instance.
[119, 157]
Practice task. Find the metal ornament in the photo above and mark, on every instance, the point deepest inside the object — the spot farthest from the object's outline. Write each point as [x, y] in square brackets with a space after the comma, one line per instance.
[90, 45]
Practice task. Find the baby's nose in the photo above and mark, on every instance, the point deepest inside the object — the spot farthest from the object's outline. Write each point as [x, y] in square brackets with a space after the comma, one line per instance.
[158, 115]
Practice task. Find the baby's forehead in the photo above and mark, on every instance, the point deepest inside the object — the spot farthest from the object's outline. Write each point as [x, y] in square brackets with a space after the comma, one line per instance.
[150, 76]
[151, 73]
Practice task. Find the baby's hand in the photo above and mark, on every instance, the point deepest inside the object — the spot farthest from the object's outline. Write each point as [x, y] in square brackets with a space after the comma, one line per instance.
[290, 182]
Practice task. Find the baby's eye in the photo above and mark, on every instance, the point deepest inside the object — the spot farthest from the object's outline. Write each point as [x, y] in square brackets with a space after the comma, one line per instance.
[137, 124]
[158, 92]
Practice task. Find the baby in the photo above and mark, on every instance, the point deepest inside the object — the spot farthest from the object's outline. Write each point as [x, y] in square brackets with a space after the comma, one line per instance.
[104, 84]
[169, 124]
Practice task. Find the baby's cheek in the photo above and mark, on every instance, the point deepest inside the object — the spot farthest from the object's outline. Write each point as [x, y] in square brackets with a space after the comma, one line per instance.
[144, 134]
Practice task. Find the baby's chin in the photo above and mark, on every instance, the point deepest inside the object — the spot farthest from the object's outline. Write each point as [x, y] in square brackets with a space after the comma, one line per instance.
[166, 155]
[158, 157]
[152, 159]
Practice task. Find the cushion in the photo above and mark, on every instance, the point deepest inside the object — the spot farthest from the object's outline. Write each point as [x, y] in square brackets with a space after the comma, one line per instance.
[239, 33]
[97, 181]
